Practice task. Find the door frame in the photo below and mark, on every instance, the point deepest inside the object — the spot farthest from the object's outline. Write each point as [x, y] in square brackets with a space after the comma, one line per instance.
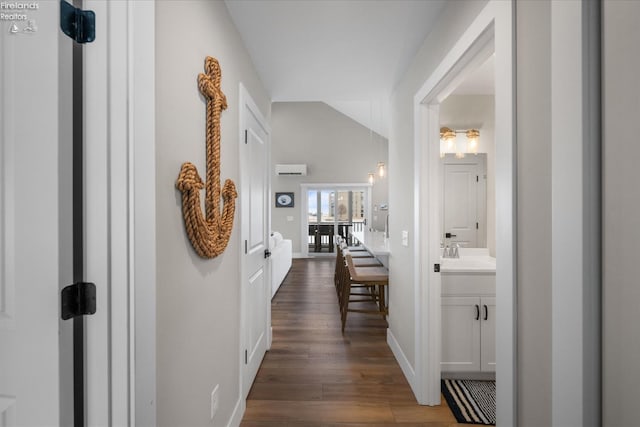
[248, 104]
[576, 213]
[120, 212]
[491, 31]
[304, 209]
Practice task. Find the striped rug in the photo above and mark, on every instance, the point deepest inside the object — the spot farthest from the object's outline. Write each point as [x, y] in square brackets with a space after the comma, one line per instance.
[471, 401]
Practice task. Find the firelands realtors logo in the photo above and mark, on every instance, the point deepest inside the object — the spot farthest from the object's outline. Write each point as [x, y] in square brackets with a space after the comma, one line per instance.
[18, 15]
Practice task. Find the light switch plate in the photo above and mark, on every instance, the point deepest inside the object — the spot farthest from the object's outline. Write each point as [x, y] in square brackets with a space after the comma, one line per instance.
[405, 238]
[290, 218]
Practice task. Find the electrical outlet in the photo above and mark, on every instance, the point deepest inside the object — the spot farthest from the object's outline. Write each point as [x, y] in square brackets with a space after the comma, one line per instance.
[405, 238]
[214, 400]
[290, 218]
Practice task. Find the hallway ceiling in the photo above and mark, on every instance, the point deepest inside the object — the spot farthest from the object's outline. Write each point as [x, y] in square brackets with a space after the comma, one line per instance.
[349, 54]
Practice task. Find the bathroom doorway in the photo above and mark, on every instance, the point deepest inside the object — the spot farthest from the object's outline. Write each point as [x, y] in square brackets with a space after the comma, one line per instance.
[490, 33]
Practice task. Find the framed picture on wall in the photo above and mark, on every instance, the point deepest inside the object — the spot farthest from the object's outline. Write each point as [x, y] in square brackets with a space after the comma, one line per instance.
[284, 200]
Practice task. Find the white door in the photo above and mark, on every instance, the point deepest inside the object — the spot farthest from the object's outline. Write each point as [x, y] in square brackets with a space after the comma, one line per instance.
[460, 214]
[256, 279]
[31, 267]
[36, 222]
[460, 334]
[488, 334]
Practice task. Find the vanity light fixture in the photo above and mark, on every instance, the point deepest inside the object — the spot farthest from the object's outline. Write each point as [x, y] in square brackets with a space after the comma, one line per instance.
[448, 142]
[381, 169]
[371, 177]
[472, 141]
[448, 136]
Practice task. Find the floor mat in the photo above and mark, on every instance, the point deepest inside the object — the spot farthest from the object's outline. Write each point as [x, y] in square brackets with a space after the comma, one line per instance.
[471, 401]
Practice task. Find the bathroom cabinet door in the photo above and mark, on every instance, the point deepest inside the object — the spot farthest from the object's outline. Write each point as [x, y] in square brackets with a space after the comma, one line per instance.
[468, 334]
[460, 334]
[488, 334]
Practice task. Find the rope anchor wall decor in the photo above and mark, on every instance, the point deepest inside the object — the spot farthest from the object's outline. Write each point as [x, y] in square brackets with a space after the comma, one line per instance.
[208, 234]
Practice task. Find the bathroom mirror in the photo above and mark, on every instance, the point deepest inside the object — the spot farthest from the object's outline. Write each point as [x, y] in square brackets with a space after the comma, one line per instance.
[464, 200]
[461, 111]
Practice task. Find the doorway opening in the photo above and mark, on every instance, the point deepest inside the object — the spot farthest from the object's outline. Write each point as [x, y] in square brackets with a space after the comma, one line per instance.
[490, 33]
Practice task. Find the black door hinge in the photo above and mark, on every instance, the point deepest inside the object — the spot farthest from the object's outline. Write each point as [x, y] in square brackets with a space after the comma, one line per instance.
[77, 300]
[267, 253]
[246, 137]
[477, 226]
[245, 357]
[78, 24]
[436, 268]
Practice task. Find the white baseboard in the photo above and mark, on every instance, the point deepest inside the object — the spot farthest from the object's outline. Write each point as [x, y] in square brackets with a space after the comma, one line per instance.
[297, 255]
[402, 360]
[238, 413]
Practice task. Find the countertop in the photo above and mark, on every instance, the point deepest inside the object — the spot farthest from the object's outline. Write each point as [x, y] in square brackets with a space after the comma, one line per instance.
[373, 241]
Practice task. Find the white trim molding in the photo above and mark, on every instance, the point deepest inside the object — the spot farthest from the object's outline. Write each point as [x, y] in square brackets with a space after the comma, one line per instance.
[402, 360]
[575, 213]
[491, 31]
[120, 196]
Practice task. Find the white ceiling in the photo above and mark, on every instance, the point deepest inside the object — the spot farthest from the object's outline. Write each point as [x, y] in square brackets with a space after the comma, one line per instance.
[349, 53]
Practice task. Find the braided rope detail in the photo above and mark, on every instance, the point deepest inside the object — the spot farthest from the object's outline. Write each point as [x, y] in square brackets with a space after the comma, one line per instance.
[209, 235]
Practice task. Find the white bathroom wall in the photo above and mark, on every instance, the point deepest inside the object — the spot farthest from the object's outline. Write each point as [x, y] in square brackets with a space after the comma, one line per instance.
[197, 300]
[478, 112]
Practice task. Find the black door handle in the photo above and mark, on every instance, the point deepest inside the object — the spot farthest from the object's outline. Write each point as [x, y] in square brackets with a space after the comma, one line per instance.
[449, 235]
[486, 312]
[477, 312]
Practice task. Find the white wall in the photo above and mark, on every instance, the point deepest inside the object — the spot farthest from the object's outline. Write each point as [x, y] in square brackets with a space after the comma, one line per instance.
[455, 19]
[621, 212]
[335, 148]
[197, 300]
[478, 112]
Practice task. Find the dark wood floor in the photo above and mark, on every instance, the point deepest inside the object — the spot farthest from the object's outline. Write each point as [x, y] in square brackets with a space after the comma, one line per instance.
[314, 376]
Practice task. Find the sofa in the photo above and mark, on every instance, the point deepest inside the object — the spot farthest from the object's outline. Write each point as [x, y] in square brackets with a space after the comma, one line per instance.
[281, 259]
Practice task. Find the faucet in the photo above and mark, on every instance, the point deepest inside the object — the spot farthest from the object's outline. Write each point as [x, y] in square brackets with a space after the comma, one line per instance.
[455, 253]
[451, 252]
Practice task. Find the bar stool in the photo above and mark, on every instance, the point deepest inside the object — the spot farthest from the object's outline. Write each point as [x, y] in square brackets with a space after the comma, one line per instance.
[356, 254]
[341, 267]
[375, 279]
[355, 248]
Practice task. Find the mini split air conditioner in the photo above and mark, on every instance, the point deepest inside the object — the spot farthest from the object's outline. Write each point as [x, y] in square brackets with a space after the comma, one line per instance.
[291, 170]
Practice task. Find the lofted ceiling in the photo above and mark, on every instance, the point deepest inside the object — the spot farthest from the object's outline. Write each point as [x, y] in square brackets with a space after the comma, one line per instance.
[348, 53]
